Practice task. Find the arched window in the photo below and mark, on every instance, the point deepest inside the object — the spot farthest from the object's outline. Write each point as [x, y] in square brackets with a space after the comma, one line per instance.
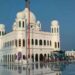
[36, 42]
[47, 42]
[32, 42]
[44, 42]
[23, 23]
[8, 58]
[40, 42]
[19, 23]
[16, 43]
[19, 42]
[24, 57]
[31, 26]
[23, 43]
[55, 45]
[0, 33]
[55, 30]
[58, 45]
[50, 43]
[52, 30]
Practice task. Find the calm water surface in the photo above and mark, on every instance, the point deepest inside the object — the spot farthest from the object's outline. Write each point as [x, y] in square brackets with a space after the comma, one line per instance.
[39, 69]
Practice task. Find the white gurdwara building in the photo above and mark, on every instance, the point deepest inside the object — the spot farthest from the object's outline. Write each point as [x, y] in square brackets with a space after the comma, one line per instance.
[14, 46]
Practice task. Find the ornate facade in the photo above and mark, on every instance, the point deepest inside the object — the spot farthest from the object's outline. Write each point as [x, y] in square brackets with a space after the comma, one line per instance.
[14, 46]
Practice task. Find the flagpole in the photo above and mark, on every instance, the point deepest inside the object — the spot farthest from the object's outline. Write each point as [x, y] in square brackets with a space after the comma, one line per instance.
[28, 29]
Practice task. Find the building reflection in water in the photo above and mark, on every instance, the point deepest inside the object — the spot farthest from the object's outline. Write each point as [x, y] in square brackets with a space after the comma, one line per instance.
[36, 69]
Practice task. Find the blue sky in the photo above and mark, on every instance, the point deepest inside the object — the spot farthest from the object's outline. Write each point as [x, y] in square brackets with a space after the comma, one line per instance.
[45, 11]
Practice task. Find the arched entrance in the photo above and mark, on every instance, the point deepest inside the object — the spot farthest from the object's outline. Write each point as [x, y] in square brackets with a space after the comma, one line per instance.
[32, 58]
[41, 57]
[44, 57]
[19, 56]
[36, 58]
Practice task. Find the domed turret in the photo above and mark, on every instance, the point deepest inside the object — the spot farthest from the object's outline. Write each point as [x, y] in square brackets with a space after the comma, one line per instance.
[54, 23]
[55, 35]
[2, 29]
[22, 20]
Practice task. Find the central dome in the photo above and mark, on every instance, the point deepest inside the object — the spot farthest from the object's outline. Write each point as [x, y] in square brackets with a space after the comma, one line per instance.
[24, 14]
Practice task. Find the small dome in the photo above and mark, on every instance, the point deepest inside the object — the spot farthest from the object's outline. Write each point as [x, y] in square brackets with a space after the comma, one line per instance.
[38, 22]
[14, 26]
[54, 22]
[14, 23]
[2, 26]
